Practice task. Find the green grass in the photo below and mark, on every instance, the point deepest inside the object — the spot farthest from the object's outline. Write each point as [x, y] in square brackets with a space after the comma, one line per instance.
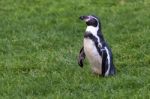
[40, 41]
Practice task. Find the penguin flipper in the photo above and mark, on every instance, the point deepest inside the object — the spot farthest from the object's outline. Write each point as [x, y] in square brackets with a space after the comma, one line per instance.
[107, 69]
[104, 63]
[81, 57]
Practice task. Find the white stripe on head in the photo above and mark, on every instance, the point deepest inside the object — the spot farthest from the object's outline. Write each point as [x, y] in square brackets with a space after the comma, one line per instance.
[92, 17]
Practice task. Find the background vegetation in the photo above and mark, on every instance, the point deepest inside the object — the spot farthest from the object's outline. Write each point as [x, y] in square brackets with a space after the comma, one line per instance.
[40, 41]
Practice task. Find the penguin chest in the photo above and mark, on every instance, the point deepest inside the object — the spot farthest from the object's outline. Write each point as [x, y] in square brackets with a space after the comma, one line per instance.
[93, 56]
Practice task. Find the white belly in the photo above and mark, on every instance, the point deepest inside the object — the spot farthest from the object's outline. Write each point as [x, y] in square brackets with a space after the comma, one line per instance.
[93, 55]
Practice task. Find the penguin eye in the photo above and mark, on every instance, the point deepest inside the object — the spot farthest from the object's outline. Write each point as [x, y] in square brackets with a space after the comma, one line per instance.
[87, 19]
[91, 21]
[94, 21]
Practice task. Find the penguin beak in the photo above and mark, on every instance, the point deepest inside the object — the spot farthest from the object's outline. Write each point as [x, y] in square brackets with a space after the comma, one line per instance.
[83, 17]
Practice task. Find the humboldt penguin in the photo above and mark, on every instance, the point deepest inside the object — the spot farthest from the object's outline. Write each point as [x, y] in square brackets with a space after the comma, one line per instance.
[95, 48]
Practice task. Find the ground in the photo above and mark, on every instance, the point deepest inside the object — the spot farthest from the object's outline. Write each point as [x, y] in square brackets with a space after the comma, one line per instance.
[40, 41]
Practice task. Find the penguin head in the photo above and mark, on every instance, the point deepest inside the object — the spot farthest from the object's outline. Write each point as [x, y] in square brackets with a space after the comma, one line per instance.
[90, 20]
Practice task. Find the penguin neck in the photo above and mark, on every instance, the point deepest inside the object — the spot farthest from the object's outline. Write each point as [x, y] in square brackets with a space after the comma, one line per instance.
[92, 29]
[96, 31]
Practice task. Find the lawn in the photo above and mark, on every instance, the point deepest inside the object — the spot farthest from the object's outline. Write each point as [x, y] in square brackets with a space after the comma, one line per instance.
[40, 41]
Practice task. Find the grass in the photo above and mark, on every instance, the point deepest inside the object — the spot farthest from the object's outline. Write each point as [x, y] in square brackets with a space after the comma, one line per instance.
[40, 41]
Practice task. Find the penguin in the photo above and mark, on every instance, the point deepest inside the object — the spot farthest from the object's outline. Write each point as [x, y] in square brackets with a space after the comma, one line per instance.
[95, 48]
